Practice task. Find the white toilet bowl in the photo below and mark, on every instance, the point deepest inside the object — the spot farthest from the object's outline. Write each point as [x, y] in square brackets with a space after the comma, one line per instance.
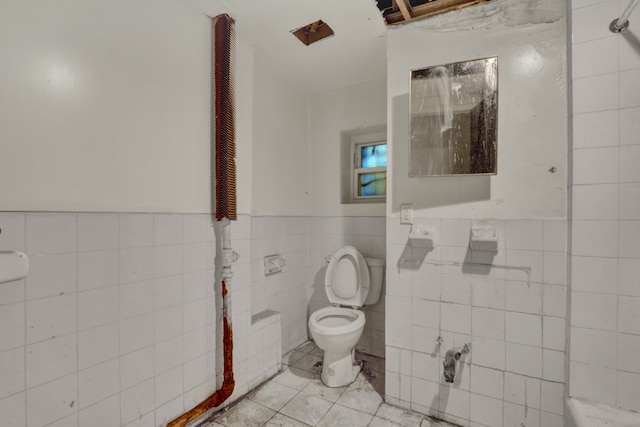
[336, 330]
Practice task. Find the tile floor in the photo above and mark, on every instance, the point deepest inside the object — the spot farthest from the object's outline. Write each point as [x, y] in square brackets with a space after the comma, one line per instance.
[296, 397]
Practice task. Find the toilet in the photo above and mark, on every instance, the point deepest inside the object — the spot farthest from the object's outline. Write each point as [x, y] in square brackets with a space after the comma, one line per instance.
[351, 281]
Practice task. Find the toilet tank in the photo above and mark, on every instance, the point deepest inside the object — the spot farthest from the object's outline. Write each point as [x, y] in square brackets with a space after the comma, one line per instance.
[376, 273]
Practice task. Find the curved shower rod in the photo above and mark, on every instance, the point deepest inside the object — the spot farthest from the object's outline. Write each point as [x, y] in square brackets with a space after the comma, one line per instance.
[621, 24]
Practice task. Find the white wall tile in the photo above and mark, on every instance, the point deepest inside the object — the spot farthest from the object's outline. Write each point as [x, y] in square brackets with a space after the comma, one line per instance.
[595, 238]
[455, 232]
[629, 238]
[488, 323]
[51, 359]
[13, 410]
[522, 390]
[629, 157]
[488, 382]
[50, 275]
[629, 315]
[136, 333]
[486, 410]
[455, 402]
[167, 229]
[597, 129]
[136, 367]
[167, 260]
[103, 414]
[592, 382]
[552, 397]
[629, 126]
[488, 293]
[422, 312]
[52, 401]
[555, 268]
[524, 329]
[553, 333]
[554, 300]
[12, 326]
[524, 234]
[630, 88]
[553, 365]
[424, 285]
[12, 371]
[97, 307]
[627, 351]
[594, 311]
[98, 345]
[52, 316]
[518, 415]
[51, 233]
[591, 20]
[98, 269]
[12, 292]
[524, 360]
[98, 382]
[595, 202]
[12, 225]
[630, 202]
[197, 228]
[595, 57]
[136, 264]
[136, 298]
[137, 401]
[136, 230]
[168, 386]
[523, 297]
[628, 391]
[591, 274]
[167, 292]
[629, 277]
[596, 93]
[593, 347]
[455, 318]
[595, 166]
[168, 354]
[170, 323]
[488, 352]
[424, 393]
[98, 231]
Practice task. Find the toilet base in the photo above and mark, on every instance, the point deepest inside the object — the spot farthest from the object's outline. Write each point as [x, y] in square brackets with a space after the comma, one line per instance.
[338, 369]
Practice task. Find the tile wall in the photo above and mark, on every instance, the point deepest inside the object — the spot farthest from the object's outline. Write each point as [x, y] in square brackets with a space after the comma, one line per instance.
[114, 325]
[605, 253]
[284, 292]
[508, 305]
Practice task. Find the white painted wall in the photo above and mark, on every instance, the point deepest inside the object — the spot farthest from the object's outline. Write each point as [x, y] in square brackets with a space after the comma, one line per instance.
[280, 168]
[529, 39]
[353, 109]
[105, 107]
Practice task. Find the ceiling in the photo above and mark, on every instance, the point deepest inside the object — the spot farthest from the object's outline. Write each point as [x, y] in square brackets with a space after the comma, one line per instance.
[356, 53]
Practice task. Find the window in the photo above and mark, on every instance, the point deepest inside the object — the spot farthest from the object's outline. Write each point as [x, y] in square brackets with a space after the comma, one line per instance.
[369, 177]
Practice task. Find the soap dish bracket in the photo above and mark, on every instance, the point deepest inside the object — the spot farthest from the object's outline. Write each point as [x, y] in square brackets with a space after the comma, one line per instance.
[484, 237]
[421, 236]
[273, 264]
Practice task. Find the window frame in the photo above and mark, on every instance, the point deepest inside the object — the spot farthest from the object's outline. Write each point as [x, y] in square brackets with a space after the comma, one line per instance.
[358, 141]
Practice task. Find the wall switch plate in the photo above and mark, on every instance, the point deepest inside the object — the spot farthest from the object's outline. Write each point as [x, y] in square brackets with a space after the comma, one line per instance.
[406, 213]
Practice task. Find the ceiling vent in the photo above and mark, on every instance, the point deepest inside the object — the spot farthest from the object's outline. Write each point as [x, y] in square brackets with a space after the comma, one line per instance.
[313, 32]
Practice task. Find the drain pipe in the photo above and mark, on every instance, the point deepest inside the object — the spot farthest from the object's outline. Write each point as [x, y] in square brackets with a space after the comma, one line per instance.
[216, 399]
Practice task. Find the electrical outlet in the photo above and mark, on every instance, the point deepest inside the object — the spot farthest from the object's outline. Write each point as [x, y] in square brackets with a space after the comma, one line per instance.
[406, 213]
